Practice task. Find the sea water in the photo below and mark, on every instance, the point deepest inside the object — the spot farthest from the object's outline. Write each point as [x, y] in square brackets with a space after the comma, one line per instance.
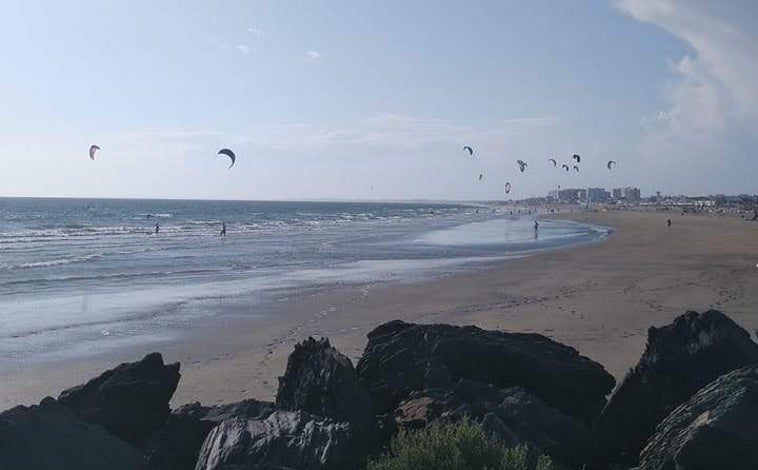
[86, 274]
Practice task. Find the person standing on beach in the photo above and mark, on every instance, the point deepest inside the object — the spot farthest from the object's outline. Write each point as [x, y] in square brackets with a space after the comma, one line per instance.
[668, 222]
[536, 225]
[223, 229]
[157, 228]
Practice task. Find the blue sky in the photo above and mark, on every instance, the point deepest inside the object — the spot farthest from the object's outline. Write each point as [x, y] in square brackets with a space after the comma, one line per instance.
[331, 99]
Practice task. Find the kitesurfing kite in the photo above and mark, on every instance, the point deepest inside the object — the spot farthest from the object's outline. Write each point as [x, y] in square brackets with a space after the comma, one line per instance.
[577, 158]
[565, 167]
[521, 165]
[576, 168]
[611, 163]
[481, 176]
[92, 150]
[552, 160]
[507, 187]
[469, 150]
[229, 154]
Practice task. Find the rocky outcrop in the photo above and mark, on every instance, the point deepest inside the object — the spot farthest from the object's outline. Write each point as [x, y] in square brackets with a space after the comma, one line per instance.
[523, 418]
[129, 401]
[50, 437]
[177, 443]
[210, 416]
[283, 440]
[523, 388]
[320, 380]
[679, 359]
[716, 428]
[513, 415]
[402, 357]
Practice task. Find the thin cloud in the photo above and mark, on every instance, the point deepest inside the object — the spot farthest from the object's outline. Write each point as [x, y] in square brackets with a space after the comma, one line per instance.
[395, 131]
[219, 45]
[313, 55]
[243, 48]
[257, 33]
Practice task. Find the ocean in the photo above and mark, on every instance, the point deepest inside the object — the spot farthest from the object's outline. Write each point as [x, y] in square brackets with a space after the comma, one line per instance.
[85, 275]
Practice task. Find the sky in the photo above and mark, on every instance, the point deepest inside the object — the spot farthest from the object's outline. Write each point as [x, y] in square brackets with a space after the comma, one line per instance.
[375, 99]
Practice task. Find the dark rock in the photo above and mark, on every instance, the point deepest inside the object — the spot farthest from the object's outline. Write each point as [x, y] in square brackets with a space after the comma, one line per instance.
[679, 359]
[402, 357]
[177, 443]
[513, 415]
[50, 437]
[130, 401]
[321, 381]
[283, 440]
[210, 416]
[716, 428]
[423, 408]
[523, 418]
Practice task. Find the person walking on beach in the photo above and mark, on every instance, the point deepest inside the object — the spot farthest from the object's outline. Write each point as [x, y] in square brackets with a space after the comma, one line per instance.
[536, 225]
[223, 229]
[668, 222]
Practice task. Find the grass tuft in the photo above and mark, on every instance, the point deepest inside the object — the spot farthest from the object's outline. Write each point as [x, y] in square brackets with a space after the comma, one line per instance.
[463, 445]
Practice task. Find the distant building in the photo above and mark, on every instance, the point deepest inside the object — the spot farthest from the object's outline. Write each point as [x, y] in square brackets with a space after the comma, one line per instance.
[632, 194]
[572, 195]
[552, 195]
[626, 194]
[598, 194]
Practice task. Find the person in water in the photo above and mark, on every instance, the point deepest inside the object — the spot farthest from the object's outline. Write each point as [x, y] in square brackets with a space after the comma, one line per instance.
[157, 228]
[223, 229]
[536, 225]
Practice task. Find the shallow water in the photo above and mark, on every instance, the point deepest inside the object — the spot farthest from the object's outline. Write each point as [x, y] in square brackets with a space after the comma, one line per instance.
[85, 275]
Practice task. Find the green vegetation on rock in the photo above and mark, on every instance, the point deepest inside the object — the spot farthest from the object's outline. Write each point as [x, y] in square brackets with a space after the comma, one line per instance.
[456, 446]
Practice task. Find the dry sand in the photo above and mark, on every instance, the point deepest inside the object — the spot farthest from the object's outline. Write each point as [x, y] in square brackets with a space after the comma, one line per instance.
[598, 298]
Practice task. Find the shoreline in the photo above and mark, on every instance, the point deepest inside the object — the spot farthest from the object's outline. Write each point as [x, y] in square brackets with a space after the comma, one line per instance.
[598, 298]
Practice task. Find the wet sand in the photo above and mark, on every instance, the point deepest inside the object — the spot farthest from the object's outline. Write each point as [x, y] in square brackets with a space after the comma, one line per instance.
[598, 298]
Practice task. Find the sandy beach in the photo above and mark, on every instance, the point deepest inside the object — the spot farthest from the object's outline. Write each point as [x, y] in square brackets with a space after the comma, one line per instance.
[599, 298]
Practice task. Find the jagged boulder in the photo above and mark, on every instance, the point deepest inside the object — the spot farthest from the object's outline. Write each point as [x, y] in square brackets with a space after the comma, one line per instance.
[513, 415]
[679, 359]
[50, 437]
[176, 445]
[403, 357]
[283, 440]
[320, 380]
[716, 428]
[129, 401]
